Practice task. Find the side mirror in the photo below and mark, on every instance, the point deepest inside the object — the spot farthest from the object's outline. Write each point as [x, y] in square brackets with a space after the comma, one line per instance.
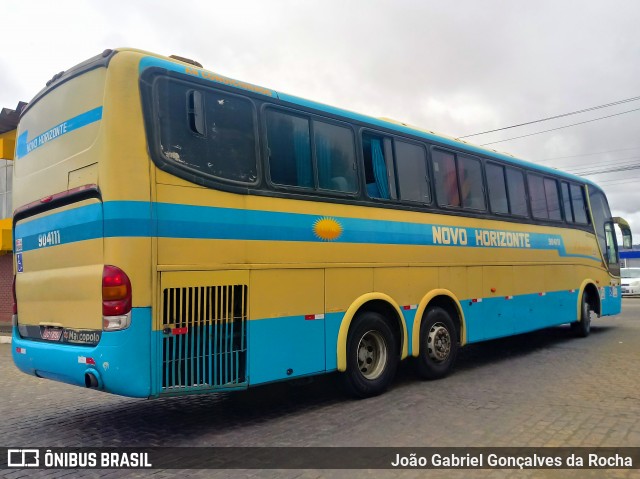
[627, 241]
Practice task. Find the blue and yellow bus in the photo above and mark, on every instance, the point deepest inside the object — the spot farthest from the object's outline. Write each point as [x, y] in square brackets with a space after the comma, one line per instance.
[179, 232]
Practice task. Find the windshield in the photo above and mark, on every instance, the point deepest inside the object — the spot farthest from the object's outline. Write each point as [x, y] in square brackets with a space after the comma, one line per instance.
[630, 272]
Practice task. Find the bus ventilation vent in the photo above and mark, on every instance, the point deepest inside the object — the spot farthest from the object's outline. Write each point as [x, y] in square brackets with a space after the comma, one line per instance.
[204, 338]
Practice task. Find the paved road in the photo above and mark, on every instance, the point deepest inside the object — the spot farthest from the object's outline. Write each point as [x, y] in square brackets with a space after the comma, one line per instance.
[539, 389]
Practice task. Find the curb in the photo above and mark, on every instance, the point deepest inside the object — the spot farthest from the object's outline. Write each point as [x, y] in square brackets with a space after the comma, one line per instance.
[5, 333]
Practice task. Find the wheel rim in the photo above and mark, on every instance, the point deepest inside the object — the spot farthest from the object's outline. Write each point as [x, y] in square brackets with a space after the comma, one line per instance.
[439, 342]
[372, 354]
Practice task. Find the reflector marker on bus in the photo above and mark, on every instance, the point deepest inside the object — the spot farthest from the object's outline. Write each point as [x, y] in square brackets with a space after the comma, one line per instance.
[542, 294]
[21, 350]
[476, 300]
[312, 317]
[508, 297]
[83, 360]
[178, 331]
[410, 307]
[572, 290]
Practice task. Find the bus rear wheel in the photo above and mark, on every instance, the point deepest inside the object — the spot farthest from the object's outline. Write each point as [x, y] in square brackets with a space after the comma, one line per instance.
[438, 344]
[582, 328]
[372, 356]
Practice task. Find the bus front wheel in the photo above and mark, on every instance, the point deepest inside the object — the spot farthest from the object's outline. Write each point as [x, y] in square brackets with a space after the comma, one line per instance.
[582, 328]
[438, 344]
[372, 356]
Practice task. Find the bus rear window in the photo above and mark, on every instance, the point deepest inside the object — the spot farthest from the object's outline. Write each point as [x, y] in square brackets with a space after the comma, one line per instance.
[207, 131]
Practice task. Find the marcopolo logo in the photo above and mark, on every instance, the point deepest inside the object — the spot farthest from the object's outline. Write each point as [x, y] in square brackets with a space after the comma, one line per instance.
[81, 336]
[23, 458]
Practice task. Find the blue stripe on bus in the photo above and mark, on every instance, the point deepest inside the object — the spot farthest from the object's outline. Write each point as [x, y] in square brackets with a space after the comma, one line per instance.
[79, 224]
[26, 146]
[499, 317]
[285, 347]
[141, 219]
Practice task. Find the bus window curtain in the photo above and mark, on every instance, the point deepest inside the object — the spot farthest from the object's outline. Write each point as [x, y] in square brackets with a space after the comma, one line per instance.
[379, 168]
[303, 158]
[323, 157]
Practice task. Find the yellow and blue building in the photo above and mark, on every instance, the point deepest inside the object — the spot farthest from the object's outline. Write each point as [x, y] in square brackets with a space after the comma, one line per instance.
[8, 124]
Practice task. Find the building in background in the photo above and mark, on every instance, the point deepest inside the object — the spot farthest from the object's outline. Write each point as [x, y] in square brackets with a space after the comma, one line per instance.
[630, 259]
[8, 124]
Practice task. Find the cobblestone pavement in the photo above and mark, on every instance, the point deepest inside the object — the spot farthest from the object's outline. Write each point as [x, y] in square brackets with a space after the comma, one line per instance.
[539, 389]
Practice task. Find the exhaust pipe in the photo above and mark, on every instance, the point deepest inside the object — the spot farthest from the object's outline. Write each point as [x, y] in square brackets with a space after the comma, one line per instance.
[92, 379]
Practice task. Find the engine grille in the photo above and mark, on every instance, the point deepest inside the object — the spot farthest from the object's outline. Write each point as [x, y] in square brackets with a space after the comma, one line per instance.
[204, 337]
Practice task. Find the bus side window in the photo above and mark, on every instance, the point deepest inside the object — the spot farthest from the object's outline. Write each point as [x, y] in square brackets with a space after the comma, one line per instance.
[445, 178]
[335, 157]
[413, 179]
[207, 131]
[289, 146]
[566, 202]
[471, 184]
[516, 192]
[538, 198]
[497, 189]
[378, 167]
[553, 200]
[577, 200]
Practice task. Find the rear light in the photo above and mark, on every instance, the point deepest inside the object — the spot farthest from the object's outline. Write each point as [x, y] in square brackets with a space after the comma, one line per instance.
[13, 291]
[116, 299]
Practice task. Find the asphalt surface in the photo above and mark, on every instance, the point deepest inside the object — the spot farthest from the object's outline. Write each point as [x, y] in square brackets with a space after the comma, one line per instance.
[540, 389]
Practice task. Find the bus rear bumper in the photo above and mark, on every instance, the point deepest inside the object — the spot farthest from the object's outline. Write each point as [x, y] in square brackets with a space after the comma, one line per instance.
[120, 363]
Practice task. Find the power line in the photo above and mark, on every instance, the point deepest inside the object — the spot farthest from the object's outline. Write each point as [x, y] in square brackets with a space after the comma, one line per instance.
[578, 167]
[555, 117]
[561, 127]
[573, 166]
[587, 154]
[626, 179]
[619, 181]
[634, 166]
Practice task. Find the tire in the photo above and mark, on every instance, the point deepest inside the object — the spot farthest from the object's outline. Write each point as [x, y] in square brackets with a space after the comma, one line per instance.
[582, 328]
[372, 356]
[438, 344]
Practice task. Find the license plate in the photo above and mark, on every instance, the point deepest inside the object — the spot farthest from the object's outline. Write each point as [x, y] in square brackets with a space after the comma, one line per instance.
[51, 334]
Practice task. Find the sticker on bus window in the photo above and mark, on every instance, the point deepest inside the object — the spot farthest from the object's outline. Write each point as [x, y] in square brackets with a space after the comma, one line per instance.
[19, 262]
[18, 245]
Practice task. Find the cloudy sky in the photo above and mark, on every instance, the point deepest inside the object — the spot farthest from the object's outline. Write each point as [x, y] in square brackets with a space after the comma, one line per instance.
[457, 67]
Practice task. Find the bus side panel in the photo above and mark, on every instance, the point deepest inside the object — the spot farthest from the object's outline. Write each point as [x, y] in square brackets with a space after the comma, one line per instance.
[501, 319]
[342, 287]
[406, 286]
[611, 300]
[207, 339]
[287, 327]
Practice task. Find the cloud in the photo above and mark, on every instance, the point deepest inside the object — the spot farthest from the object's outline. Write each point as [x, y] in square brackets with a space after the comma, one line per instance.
[453, 67]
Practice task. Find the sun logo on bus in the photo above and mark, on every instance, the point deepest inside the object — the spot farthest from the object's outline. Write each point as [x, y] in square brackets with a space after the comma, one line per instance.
[327, 229]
